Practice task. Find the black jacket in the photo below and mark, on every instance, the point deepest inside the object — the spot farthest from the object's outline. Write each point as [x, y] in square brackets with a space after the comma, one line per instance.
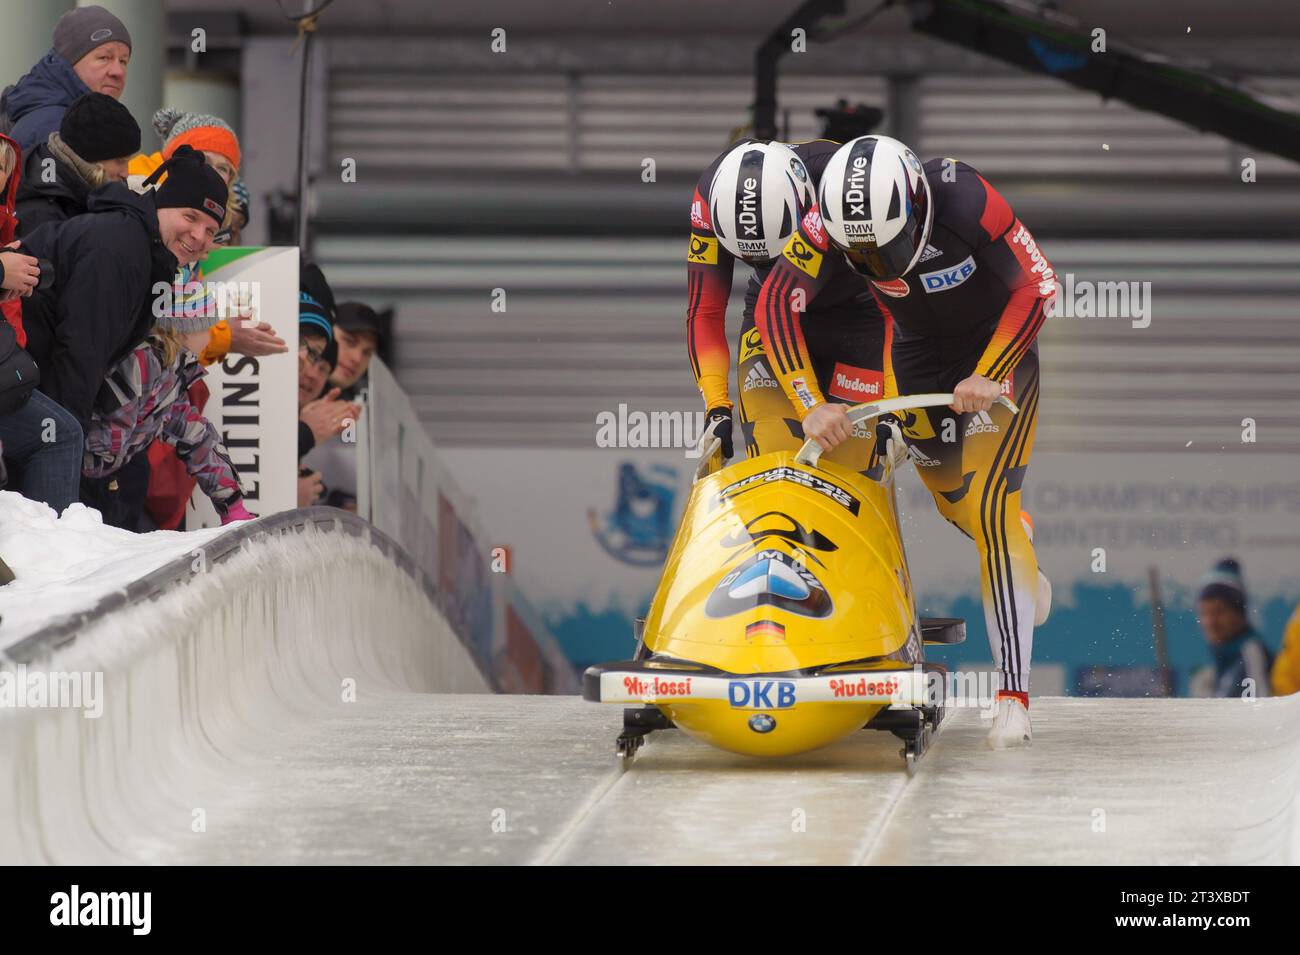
[40, 202]
[100, 306]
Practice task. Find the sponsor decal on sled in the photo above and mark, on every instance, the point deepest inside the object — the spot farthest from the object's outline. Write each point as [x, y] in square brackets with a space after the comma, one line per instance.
[761, 694]
[771, 578]
[904, 686]
[795, 476]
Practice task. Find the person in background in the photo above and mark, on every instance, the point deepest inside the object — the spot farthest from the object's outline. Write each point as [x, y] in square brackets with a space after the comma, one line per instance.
[320, 417]
[1286, 668]
[91, 52]
[146, 397]
[233, 233]
[40, 442]
[92, 146]
[1240, 653]
[211, 135]
[361, 333]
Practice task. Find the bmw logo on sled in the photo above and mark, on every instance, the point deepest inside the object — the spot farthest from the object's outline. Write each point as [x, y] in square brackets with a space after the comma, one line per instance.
[784, 618]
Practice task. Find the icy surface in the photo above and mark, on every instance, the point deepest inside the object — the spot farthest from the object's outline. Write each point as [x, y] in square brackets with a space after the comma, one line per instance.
[66, 564]
[412, 778]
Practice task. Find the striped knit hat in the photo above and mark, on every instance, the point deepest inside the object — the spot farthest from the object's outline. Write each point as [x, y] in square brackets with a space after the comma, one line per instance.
[199, 130]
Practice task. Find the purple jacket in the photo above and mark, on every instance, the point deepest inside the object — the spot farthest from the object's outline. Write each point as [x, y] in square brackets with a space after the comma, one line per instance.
[141, 400]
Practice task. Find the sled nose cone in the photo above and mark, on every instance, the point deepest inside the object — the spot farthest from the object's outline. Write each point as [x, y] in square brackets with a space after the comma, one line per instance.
[770, 732]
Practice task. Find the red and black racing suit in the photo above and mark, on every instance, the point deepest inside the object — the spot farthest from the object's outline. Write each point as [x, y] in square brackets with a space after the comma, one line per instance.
[835, 349]
[973, 304]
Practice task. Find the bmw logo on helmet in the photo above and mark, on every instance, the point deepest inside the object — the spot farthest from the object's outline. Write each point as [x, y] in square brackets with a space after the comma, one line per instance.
[762, 723]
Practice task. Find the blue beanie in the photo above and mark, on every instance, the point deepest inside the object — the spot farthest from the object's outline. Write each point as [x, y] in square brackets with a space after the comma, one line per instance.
[1224, 583]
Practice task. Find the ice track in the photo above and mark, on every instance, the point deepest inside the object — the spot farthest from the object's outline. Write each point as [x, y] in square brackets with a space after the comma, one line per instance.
[225, 739]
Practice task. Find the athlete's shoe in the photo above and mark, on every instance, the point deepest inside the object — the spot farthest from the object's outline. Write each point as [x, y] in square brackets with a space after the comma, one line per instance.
[1011, 727]
[1043, 598]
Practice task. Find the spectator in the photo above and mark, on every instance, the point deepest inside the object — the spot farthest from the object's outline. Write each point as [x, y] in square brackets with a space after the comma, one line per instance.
[1239, 652]
[220, 147]
[361, 333]
[233, 234]
[106, 266]
[39, 439]
[146, 397]
[90, 55]
[93, 144]
[320, 417]
[1286, 669]
[211, 135]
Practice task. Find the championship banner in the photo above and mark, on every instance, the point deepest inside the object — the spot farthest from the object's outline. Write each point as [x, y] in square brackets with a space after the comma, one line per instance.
[254, 401]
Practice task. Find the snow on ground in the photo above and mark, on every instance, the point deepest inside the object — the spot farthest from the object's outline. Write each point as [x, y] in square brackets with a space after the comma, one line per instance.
[66, 564]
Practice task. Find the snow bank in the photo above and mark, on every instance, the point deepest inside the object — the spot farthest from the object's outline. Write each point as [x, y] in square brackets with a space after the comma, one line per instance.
[193, 684]
[66, 564]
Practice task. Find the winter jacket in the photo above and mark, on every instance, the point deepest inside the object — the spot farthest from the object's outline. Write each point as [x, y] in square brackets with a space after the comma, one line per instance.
[1286, 668]
[34, 106]
[106, 264]
[12, 308]
[140, 400]
[1244, 657]
[61, 198]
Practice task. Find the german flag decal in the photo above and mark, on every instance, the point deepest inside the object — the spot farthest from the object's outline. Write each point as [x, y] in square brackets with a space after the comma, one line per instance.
[765, 628]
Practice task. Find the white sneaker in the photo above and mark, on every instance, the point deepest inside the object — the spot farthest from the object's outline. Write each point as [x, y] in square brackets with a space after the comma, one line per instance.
[1011, 727]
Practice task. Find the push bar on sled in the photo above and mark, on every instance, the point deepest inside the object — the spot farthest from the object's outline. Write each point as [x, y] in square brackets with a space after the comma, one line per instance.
[710, 446]
[811, 452]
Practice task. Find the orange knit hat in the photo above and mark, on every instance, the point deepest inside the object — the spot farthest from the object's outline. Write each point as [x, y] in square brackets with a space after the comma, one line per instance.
[202, 132]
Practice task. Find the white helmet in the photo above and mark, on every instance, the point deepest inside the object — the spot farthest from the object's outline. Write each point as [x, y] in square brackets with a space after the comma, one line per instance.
[876, 205]
[757, 196]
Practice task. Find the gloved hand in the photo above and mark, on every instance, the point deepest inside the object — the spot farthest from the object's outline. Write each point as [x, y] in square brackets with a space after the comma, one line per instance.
[719, 424]
[889, 441]
[237, 512]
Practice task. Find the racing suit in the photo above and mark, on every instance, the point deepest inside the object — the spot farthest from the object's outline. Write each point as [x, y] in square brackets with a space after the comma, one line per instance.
[973, 304]
[836, 350]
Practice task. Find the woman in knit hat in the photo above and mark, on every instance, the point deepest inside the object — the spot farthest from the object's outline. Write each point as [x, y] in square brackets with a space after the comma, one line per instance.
[93, 145]
[208, 134]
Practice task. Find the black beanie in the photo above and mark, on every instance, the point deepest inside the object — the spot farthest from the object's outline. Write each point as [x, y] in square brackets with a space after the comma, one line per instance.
[191, 184]
[98, 127]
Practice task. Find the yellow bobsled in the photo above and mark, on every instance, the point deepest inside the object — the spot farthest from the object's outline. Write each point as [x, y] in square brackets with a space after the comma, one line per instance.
[785, 617]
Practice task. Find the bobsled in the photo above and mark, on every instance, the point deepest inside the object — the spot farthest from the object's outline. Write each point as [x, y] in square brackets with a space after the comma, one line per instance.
[785, 617]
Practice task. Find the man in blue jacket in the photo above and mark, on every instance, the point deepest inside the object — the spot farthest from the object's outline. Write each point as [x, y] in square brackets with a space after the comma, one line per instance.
[1241, 657]
[90, 55]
